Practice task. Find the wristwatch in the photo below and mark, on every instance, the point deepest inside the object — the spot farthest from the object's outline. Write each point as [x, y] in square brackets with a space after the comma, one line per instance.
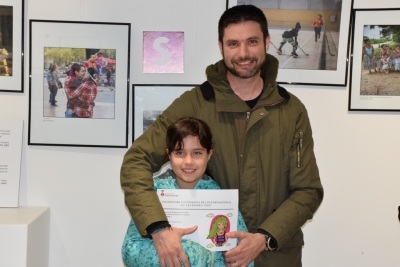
[269, 244]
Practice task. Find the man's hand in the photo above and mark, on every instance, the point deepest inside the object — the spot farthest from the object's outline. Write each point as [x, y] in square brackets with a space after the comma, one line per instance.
[168, 246]
[250, 245]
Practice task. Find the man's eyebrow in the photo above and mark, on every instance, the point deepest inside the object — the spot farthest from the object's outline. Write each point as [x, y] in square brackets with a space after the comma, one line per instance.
[249, 38]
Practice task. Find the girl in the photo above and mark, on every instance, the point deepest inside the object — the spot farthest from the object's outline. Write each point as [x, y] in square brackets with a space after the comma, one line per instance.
[86, 93]
[396, 58]
[385, 63]
[368, 56]
[384, 51]
[76, 77]
[189, 148]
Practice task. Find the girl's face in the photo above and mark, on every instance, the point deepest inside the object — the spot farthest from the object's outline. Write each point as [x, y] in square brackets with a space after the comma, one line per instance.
[190, 162]
[221, 226]
[81, 73]
[368, 42]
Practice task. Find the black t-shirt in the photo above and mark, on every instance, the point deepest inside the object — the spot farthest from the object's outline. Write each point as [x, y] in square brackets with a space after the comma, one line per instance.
[252, 103]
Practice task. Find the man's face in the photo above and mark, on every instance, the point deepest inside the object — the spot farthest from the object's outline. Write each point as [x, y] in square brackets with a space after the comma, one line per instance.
[243, 48]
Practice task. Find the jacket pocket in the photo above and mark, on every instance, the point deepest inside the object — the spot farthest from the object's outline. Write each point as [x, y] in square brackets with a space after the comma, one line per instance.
[297, 144]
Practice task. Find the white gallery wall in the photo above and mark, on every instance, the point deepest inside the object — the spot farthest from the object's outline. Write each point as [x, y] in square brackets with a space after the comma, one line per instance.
[357, 154]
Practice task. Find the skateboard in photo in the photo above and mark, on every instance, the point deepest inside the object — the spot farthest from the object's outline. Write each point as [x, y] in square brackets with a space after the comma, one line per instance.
[281, 52]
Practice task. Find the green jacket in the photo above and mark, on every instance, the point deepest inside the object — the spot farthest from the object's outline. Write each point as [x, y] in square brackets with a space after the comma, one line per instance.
[266, 152]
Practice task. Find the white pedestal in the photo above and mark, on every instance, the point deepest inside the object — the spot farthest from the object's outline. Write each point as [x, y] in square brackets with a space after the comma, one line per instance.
[24, 236]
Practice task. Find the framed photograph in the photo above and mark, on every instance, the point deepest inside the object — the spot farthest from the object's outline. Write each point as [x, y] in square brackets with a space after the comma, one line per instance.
[176, 47]
[375, 64]
[79, 83]
[146, 107]
[322, 28]
[12, 46]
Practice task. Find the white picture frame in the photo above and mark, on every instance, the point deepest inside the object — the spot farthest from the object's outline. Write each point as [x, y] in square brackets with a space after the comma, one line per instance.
[193, 18]
[308, 68]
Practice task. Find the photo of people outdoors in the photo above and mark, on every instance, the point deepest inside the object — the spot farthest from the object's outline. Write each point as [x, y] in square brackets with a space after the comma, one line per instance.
[380, 71]
[304, 34]
[6, 40]
[79, 83]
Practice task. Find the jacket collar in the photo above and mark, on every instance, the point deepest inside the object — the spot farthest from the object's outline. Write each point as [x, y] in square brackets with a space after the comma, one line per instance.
[227, 100]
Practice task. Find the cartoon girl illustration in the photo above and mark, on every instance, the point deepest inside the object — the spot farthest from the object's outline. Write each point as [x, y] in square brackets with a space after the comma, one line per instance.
[219, 226]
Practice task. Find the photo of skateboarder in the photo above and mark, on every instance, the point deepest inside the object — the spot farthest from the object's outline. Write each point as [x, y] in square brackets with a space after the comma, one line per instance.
[288, 37]
[317, 43]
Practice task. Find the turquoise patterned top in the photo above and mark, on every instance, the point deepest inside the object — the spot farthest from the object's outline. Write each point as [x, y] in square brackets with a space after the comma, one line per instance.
[139, 251]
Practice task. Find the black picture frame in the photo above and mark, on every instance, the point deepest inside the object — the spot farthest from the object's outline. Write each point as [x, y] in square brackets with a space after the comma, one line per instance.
[12, 40]
[47, 123]
[146, 107]
[371, 89]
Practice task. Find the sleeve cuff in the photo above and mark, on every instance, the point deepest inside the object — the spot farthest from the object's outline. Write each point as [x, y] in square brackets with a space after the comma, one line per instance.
[153, 227]
[273, 240]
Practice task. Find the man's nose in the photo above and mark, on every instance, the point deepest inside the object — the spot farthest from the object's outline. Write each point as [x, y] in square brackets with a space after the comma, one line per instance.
[243, 50]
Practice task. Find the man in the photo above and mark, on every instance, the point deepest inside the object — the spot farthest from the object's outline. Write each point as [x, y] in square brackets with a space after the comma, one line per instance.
[288, 37]
[263, 147]
[317, 26]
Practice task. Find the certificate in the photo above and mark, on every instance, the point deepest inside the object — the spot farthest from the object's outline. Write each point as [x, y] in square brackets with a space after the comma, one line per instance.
[215, 212]
[10, 161]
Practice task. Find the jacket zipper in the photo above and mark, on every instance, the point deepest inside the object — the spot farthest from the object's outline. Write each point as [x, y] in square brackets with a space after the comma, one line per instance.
[242, 148]
[299, 147]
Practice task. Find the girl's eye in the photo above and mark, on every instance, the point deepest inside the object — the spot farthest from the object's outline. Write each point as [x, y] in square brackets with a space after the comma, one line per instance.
[179, 153]
[197, 153]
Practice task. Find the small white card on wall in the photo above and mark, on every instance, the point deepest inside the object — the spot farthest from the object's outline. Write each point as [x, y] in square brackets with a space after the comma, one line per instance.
[10, 161]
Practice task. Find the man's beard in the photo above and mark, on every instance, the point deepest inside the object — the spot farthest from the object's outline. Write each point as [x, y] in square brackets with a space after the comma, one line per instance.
[244, 74]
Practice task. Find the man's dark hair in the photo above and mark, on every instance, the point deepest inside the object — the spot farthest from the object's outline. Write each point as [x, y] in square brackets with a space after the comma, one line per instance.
[242, 13]
[188, 126]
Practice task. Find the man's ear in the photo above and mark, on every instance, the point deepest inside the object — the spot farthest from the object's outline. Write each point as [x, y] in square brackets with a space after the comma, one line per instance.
[220, 47]
[267, 42]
